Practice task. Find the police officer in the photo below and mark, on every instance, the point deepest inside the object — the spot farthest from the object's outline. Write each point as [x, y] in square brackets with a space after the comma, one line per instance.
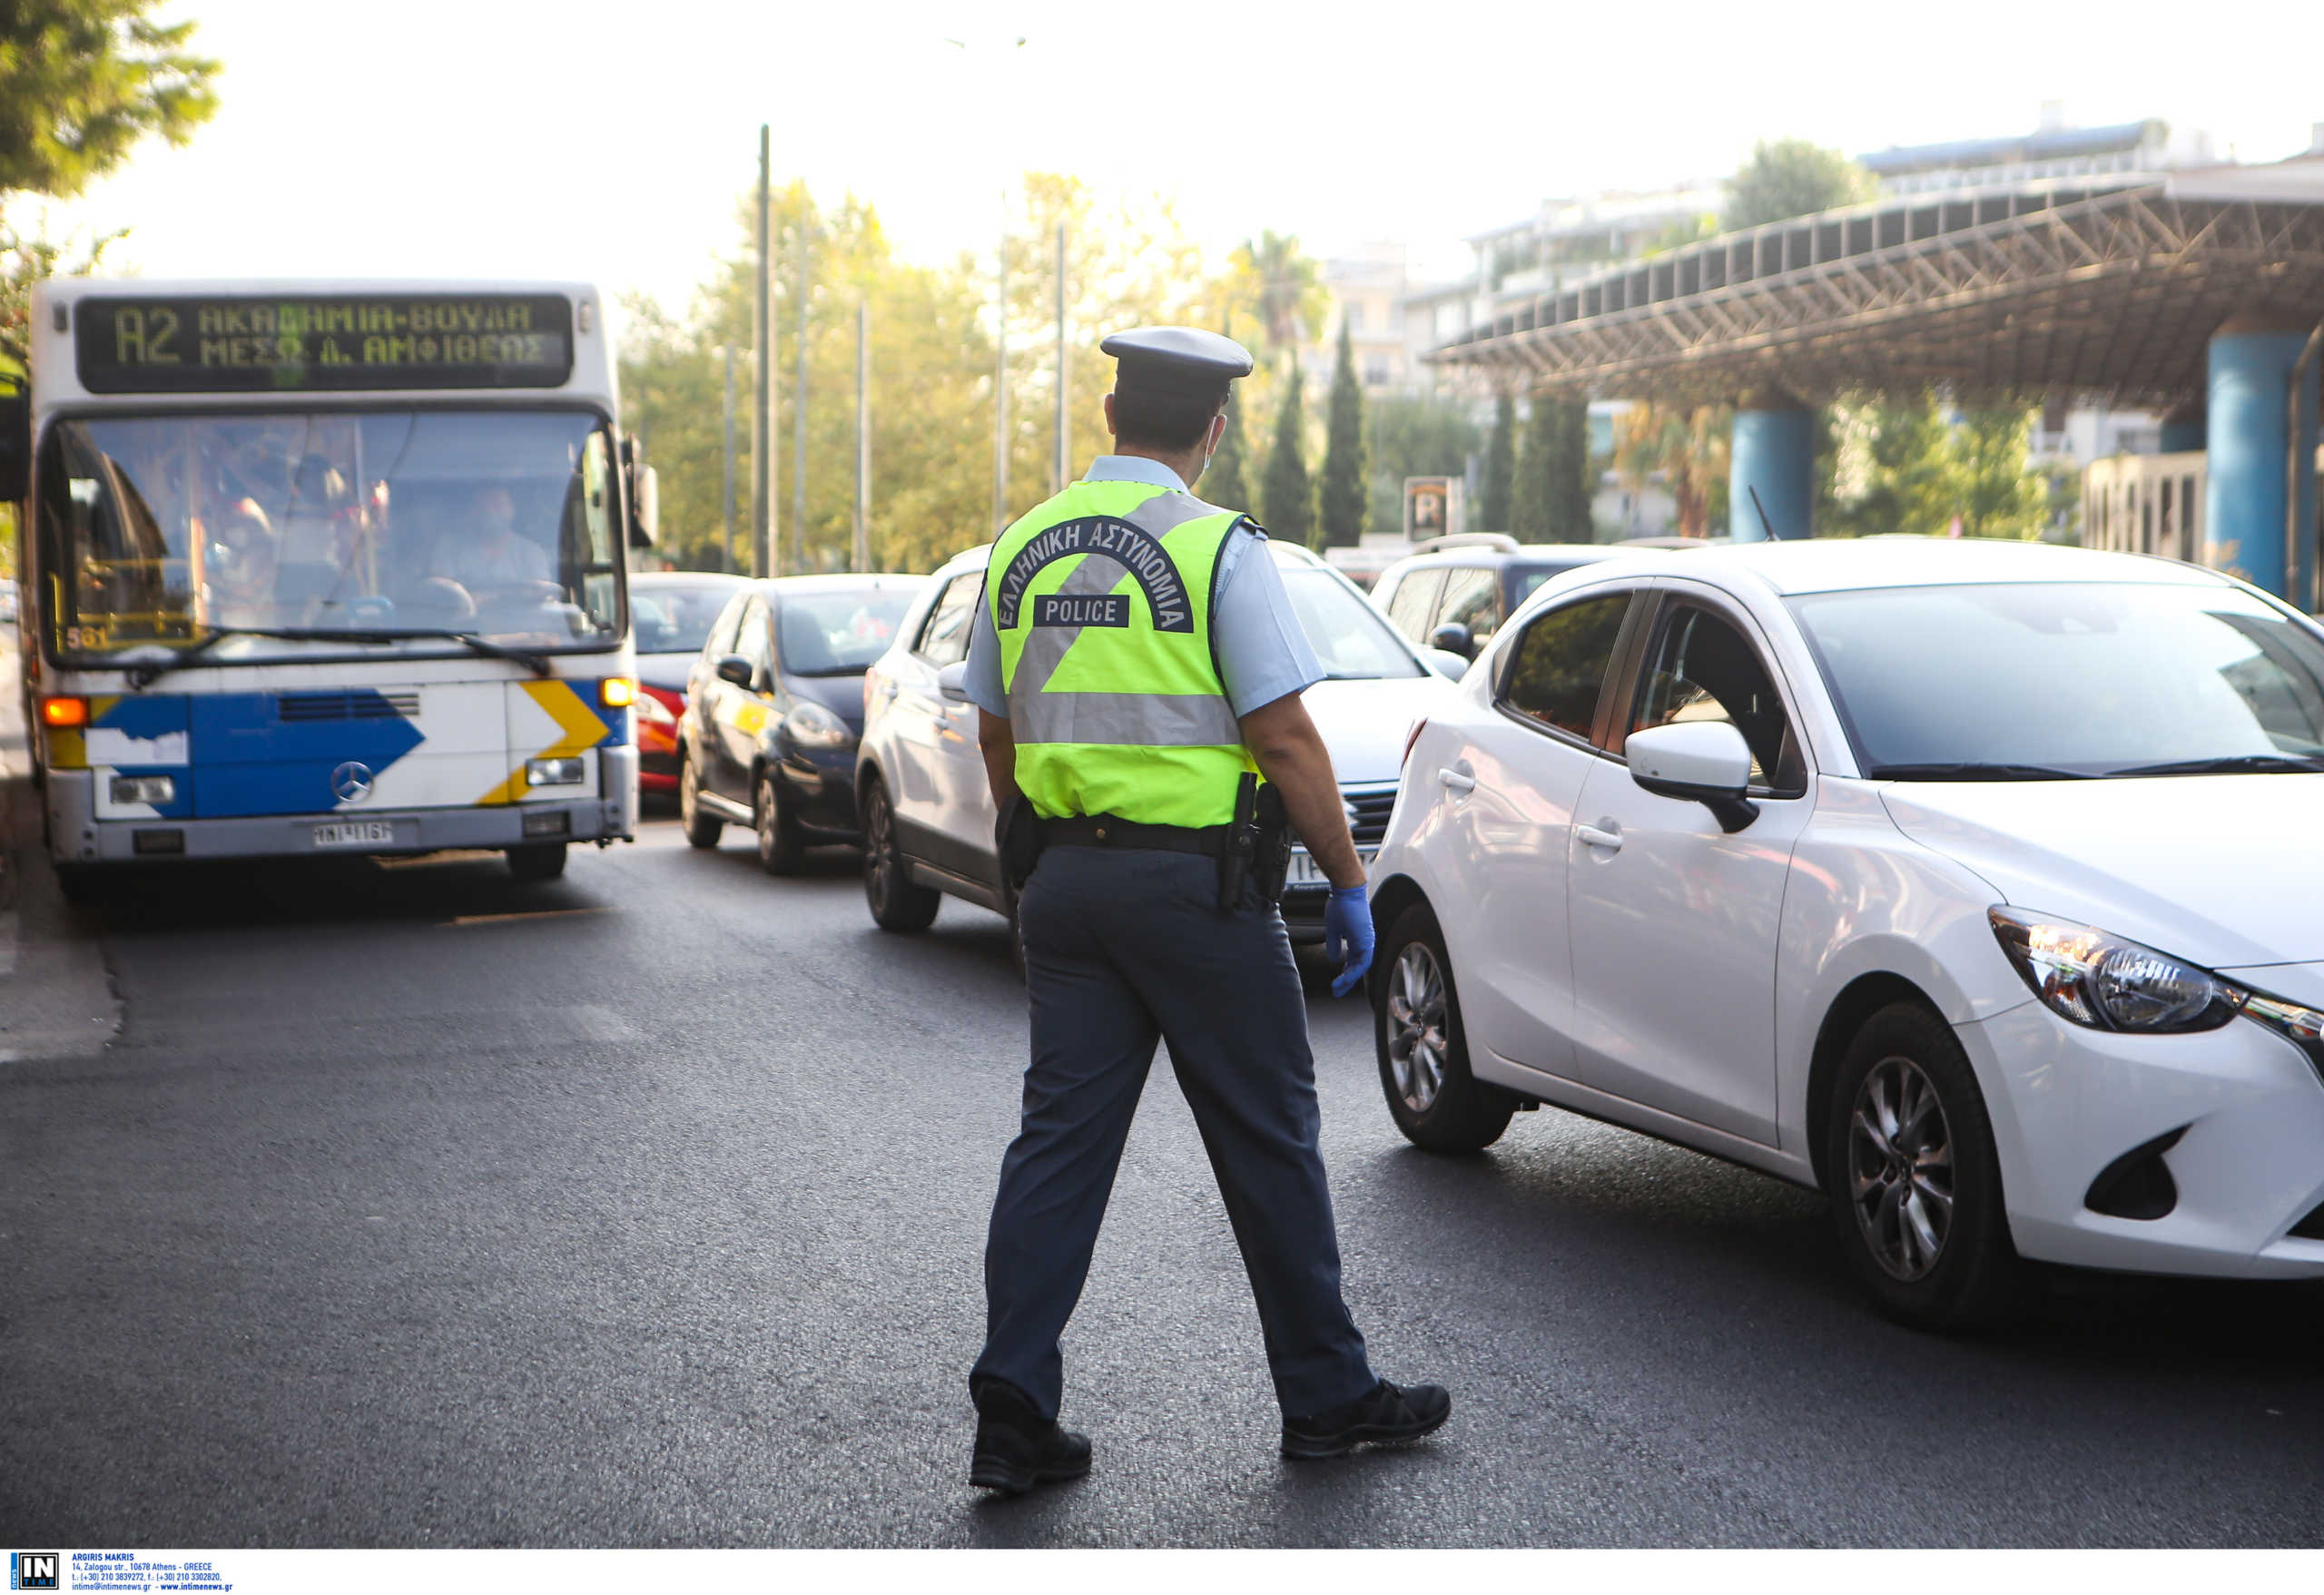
[1139, 670]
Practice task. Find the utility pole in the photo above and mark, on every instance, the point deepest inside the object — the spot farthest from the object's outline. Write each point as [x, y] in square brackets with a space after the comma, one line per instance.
[1000, 388]
[726, 509]
[1061, 444]
[863, 436]
[799, 412]
[763, 417]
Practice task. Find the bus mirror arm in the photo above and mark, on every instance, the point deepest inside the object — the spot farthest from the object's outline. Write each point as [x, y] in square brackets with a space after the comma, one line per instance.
[645, 494]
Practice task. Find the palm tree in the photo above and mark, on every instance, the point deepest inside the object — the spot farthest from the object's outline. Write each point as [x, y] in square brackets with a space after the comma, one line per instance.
[1687, 448]
[1281, 285]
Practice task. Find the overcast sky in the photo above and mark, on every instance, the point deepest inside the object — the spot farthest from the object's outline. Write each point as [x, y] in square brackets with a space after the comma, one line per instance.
[489, 138]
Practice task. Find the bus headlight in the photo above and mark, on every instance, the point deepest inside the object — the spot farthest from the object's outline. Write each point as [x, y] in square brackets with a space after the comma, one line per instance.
[564, 771]
[156, 790]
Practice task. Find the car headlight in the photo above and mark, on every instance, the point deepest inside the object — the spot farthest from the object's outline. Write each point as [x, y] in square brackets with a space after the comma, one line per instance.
[653, 711]
[810, 725]
[2108, 983]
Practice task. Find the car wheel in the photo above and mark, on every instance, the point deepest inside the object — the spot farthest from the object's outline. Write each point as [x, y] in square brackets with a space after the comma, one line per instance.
[897, 903]
[1423, 1051]
[537, 861]
[702, 829]
[781, 850]
[1913, 1179]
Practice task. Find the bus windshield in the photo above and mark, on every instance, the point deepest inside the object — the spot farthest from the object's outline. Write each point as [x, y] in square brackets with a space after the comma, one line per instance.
[499, 524]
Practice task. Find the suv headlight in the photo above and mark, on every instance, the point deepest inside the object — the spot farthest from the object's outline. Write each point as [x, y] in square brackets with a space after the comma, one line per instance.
[2108, 983]
[810, 725]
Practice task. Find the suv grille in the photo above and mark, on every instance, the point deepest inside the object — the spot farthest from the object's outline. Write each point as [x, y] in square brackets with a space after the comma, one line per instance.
[300, 707]
[1373, 806]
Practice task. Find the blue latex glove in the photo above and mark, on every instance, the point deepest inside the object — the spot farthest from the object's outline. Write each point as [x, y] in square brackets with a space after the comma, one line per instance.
[1348, 936]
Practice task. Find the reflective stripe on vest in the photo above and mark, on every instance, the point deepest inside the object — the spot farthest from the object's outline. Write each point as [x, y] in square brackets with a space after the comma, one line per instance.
[1101, 598]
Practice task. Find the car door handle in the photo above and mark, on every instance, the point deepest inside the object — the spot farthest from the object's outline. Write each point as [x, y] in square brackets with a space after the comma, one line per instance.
[889, 689]
[1456, 780]
[1590, 836]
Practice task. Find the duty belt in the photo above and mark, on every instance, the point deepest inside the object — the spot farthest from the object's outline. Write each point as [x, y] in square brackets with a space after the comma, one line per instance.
[1105, 830]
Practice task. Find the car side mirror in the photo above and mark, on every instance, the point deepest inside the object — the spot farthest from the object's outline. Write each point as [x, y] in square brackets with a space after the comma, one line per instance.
[15, 448]
[1451, 666]
[737, 671]
[645, 494]
[1704, 762]
[1453, 638]
[952, 681]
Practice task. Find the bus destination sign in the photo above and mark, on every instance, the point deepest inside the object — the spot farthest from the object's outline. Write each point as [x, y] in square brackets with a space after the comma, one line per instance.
[247, 343]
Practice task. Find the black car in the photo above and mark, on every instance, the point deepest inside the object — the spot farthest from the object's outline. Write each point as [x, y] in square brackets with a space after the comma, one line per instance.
[774, 704]
[1455, 592]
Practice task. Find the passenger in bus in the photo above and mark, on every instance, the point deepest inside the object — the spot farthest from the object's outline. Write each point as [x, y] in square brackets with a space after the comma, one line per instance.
[493, 558]
[239, 567]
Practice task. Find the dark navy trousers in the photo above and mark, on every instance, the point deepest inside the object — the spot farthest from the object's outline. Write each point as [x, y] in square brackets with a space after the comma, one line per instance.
[1123, 947]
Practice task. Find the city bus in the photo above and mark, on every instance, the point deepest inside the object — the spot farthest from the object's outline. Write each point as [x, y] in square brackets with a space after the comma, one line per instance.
[324, 568]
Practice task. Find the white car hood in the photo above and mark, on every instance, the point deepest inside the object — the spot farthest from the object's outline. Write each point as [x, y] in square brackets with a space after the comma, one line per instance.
[2219, 869]
[1364, 722]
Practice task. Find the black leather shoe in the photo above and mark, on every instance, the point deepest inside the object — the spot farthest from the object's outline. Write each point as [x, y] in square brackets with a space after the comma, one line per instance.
[1016, 1448]
[1388, 1415]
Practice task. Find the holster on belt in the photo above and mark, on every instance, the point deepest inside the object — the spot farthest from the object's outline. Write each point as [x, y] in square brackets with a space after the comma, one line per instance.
[1235, 864]
[1271, 865]
[1017, 835]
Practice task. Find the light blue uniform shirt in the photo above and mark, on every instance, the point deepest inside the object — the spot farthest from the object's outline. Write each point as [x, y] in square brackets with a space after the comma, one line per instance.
[1263, 654]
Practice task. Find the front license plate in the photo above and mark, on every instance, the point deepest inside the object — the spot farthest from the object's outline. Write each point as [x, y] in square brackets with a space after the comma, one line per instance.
[1305, 871]
[357, 833]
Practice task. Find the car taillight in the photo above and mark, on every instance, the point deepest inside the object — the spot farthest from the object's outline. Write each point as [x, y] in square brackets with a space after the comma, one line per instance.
[1410, 737]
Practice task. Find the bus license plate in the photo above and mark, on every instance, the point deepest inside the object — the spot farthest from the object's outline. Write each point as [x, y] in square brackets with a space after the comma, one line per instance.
[1304, 871]
[357, 833]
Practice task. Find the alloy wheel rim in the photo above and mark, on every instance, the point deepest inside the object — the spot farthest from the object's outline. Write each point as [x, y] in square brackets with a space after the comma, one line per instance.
[767, 819]
[1900, 1169]
[878, 869]
[1417, 1013]
[687, 792]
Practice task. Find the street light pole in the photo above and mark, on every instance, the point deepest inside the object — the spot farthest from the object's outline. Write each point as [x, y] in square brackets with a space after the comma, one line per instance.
[1001, 387]
[1061, 442]
[726, 504]
[863, 436]
[799, 410]
[763, 419]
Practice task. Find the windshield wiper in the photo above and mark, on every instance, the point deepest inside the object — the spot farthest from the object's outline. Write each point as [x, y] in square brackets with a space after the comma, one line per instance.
[2231, 764]
[1972, 772]
[142, 676]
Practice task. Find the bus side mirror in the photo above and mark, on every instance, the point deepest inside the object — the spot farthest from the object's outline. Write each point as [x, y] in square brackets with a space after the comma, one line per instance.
[15, 448]
[645, 494]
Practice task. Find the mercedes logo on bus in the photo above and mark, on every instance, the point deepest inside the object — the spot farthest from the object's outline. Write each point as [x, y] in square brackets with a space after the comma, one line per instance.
[351, 782]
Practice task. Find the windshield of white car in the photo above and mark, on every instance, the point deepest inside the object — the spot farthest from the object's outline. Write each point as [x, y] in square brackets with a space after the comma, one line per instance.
[1351, 638]
[2055, 680]
[285, 531]
[840, 633]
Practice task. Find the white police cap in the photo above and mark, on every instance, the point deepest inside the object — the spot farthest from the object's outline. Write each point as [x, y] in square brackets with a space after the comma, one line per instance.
[1177, 356]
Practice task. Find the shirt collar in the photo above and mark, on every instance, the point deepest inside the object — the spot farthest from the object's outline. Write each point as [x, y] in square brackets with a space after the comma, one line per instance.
[1132, 467]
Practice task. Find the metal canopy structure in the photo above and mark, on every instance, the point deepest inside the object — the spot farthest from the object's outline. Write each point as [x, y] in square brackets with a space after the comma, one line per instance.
[2109, 290]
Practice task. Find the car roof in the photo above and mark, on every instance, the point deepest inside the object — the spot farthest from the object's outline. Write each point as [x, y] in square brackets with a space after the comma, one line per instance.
[1482, 555]
[1843, 563]
[839, 582]
[647, 580]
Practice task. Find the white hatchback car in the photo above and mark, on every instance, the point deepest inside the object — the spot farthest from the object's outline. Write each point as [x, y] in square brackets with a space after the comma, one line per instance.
[1979, 885]
[928, 814]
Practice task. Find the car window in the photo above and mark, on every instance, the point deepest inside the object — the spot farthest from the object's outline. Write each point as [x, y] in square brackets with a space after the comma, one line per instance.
[1351, 640]
[839, 631]
[721, 635]
[1414, 602]
[753, 642]
[1700, 668]
[1472, 598]
[944, 640]
[1558, 665]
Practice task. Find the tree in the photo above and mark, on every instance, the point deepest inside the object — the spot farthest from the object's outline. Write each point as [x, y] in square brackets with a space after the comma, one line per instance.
[82, 81]
[1289, 495]
[1344, 497]
[1792, 177]
[1269, 278]
[1501, 464]
[1572, 482]
[1227, 481]
[1537, 465]
[2001, 496]
[1686, 450]
[1414, 435]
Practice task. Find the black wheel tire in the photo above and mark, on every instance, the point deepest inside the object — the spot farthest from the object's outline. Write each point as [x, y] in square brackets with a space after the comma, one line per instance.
[1460, 1114]
[781, 850]
[1976, 1280]
[537, 861]
[897, 903]
[702, 830]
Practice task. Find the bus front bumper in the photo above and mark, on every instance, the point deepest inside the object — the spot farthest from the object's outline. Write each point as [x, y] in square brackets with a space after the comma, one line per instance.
[78, 836]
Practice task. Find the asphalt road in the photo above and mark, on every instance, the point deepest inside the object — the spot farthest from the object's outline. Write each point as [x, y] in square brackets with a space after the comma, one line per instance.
[415, 1206]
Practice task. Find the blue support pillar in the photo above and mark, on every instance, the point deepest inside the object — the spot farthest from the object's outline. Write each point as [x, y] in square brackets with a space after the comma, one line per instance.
[1773, 451]
[2244, 528]
[2183, 430]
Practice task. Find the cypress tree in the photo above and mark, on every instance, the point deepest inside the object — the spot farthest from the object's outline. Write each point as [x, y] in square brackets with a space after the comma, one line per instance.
[1571, 483]
[1501, 464]
[1538, 460]
[1226, 483]
[1287, 493]
[1348, 467]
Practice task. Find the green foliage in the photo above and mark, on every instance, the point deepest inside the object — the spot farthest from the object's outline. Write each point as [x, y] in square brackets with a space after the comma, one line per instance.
[1573, 483]
[1536, 468]
[1792, 177]
[1271, 282]
[83, 80]
[1999, 495]
[1686, 452]
[1287, 492]
[1344, 497]
[25, 260]
[1419, 435]
[1901, 465]
[1501, 466]
[1228, 482]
